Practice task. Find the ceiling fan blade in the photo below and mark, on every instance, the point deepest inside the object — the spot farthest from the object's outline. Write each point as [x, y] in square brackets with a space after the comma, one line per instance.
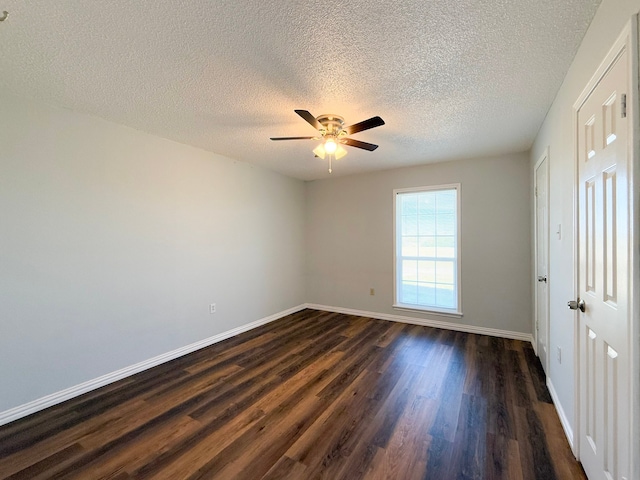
[358, 144]
[310, 119]
[364, 125]
[293, 138]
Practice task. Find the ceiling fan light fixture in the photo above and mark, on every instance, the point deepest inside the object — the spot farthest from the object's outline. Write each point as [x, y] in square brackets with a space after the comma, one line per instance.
[330, 146]
[319, 151]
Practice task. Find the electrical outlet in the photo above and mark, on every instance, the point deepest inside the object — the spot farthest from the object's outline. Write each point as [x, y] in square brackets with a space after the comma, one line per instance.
[559, 355]
[372, 291]
[212, 308]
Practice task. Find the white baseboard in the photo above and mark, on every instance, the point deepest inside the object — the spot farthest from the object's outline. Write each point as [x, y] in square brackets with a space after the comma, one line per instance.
[566, 426]
[47, 401]
[34, 406]
[493, 332]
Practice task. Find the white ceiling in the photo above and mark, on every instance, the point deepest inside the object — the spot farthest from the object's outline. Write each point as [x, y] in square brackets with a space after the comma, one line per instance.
[451, 78]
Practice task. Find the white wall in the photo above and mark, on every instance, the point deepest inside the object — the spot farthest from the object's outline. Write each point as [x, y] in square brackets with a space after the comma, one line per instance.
[557, 133]
[350, 239]
[114, 242]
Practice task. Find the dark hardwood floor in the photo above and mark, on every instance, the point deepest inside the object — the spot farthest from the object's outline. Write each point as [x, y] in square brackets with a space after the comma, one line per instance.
[313, 395]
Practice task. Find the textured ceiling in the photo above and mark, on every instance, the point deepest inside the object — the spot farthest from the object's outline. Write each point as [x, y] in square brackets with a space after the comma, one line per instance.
[451, 78]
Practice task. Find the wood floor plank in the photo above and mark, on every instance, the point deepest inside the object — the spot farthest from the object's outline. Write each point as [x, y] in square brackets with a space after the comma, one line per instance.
[406, 453]
[432, 379]
[381, 423]
[229, 425]
[43, 468]
[554, 435]
[439, 464]
[345, 412]
[25, 457]
[446, 422]
[536, 374]
[184, 457]
[515, 467]
[469, 451]
[286, 469]
[144, 449]
[535, 456]
[313, 395]
[253, 453]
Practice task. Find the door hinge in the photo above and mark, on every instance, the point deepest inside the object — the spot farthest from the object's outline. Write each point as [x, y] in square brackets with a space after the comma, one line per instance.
[623, 105]
[536, 191]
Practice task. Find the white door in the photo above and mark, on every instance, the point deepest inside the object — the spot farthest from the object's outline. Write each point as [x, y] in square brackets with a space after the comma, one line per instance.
[542, 247]
[603, 272]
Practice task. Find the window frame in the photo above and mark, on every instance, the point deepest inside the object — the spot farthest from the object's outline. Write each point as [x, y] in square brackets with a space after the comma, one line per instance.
[447, 312]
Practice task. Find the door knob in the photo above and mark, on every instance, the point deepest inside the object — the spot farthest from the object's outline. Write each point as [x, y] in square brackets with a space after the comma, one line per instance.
[542, 278]
[579, 305]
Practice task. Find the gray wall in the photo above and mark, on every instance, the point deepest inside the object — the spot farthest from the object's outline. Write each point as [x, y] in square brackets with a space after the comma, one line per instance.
[350, 239]
[114, 242]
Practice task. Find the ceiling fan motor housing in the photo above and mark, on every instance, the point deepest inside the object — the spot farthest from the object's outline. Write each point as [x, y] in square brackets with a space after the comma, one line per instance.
[332, 124]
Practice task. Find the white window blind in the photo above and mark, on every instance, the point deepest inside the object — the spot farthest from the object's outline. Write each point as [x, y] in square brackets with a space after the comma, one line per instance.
[427, 262]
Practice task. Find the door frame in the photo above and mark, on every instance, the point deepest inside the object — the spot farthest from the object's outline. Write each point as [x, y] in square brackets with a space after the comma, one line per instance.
[628, 39]
[543, 157]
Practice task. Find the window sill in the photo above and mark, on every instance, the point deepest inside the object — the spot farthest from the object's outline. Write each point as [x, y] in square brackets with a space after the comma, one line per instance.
[431, 311]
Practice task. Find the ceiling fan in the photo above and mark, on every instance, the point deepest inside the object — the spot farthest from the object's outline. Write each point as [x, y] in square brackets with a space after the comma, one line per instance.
[333, 134]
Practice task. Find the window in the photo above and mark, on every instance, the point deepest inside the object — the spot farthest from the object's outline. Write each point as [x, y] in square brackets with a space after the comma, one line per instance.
[427, 260]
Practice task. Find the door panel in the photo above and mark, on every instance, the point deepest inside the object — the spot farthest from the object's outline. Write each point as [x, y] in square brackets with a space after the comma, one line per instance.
[603, 277]
[542, 247]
